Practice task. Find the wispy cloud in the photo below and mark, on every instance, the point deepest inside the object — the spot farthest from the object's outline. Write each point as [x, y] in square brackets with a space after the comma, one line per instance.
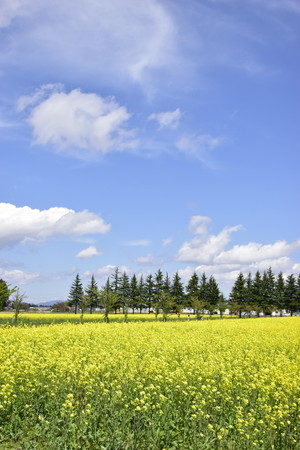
[166, 241]
[138, 243]
[168, 119]
[149, 260]
[198, 146]
[112, 36]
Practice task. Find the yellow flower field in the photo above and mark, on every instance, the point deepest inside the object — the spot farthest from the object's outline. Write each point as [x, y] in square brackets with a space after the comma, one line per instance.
[231, 384]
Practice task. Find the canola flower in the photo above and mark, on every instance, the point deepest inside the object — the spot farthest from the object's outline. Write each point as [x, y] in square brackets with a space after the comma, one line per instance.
[231, 384]
[46, 318]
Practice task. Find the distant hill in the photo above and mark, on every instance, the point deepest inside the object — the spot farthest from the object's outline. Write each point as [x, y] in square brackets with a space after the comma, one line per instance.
[50, 303]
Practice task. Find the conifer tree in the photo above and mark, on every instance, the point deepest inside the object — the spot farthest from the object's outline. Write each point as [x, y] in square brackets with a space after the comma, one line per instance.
[279, 293]
[75, 294]
[167, 283]
[4, 294]
[91, 292]
[124, 292]
[115, 284]
[238, 293]
[291, 303]
[134, 293]
[141, 294]
[203, 294]
[149, 292]
[158, 285]
[214, 293]
[177, 292]
[257, 292]
[193, 289]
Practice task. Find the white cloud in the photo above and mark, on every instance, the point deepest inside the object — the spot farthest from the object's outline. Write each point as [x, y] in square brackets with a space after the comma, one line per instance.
[39, 95]
[138, 243]
[207, 253]
[18, 276]
[168, 119]
[166, 241]
[88, 252]
[9, 9]
[106, 271]
[108, 36]
[78, 123]
[199, 224]
[149, 260]
[198, 145]
[206, 248]
[20, 224]
[257, 252]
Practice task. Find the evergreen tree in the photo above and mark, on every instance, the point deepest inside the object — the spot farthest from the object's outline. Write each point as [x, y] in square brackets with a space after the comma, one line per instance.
[298, 293]
[75, 294]
[291, 303]
[142, 294]
[193, 289]
[249, 300]
[134, 293]
[158, 285]
[4, 294]
[267, 291]
[91, 292]
[257, 292]
[203, 287]
[177, 292]
[116, 278]
[124, 292]
[167, 283]
[238, 293]
[149, 292]
[279, 293]
[214, 293]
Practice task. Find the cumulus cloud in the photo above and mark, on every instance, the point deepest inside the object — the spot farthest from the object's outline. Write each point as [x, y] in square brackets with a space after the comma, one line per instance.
[257, 252]
[78, 123]
[18, 276]
[205, 248]
[88, 252]
[207, 253]
[168, 119]
[20, 224]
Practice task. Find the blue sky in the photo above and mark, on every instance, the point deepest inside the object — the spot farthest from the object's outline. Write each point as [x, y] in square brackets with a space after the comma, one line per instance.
[146, 135]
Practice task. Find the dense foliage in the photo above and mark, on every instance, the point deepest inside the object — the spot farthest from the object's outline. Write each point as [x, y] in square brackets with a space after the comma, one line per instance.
[261, 293]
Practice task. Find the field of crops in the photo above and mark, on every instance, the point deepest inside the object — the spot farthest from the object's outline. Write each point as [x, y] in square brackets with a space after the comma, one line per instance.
[35, 318]
[230, 384]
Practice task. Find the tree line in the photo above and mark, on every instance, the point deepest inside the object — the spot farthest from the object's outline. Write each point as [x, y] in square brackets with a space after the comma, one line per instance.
[158, 293]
